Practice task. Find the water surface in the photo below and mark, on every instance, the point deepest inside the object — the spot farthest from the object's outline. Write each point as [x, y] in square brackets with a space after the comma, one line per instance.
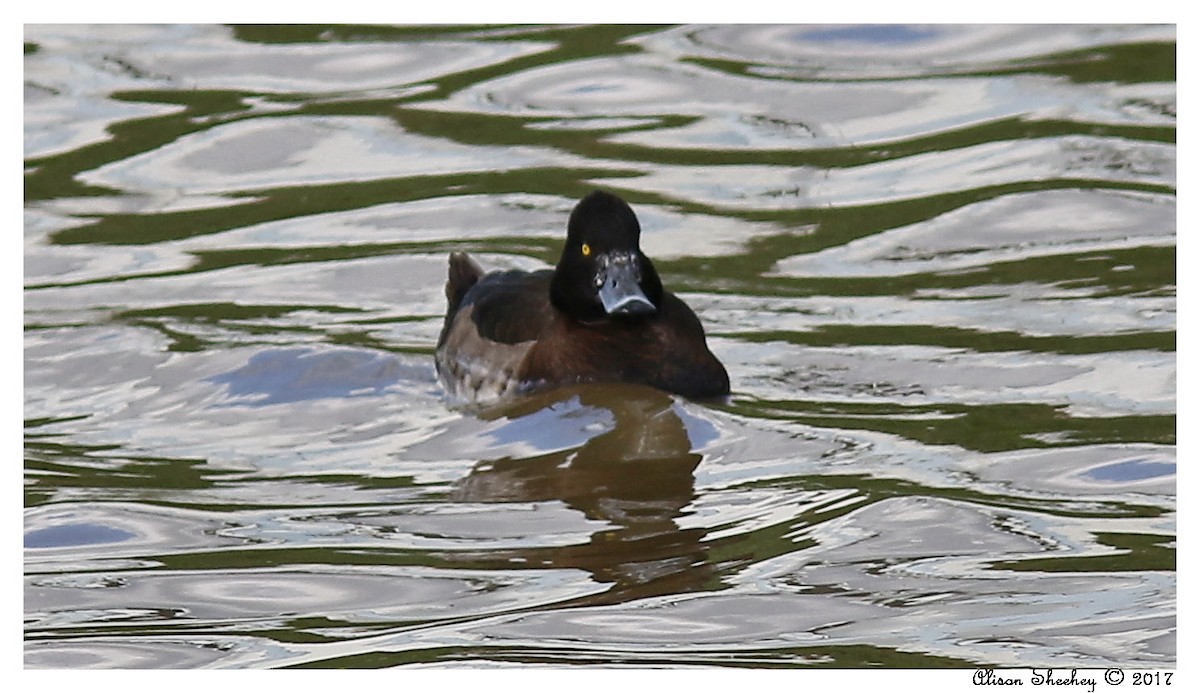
[938, 262]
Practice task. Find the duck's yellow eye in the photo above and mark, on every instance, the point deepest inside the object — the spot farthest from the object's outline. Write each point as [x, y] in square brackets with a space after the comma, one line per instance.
[586, 250]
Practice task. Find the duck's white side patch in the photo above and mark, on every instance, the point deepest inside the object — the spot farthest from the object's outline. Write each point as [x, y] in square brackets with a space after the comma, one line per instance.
[476, 369]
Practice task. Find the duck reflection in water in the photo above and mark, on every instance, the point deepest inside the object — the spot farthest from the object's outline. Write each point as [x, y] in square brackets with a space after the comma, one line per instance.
[636, 476]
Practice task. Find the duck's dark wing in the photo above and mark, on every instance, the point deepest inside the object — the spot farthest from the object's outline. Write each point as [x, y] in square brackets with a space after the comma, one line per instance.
[507, 307]
[510, 307]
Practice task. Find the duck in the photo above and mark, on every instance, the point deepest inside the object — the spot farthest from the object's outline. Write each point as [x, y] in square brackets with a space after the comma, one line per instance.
[601, 315]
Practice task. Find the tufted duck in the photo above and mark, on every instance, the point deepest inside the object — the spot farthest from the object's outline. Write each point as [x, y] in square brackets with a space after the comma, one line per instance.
[601, 315]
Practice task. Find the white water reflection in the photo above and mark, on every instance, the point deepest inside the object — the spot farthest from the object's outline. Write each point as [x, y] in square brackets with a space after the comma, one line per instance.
[384, 594]
[735, 112]
[887, 51]
[757, 187]
[740, 112]
[211, 57]
[1085, 385]
[117, 534]
[264, 153]
[1021, 308]
[1005, 229]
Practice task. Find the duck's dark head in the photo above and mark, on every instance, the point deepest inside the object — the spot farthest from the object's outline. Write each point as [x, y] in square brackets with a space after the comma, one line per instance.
[602, 271]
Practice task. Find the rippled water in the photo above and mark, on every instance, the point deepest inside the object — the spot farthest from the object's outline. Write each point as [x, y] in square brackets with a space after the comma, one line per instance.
[938, 262]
